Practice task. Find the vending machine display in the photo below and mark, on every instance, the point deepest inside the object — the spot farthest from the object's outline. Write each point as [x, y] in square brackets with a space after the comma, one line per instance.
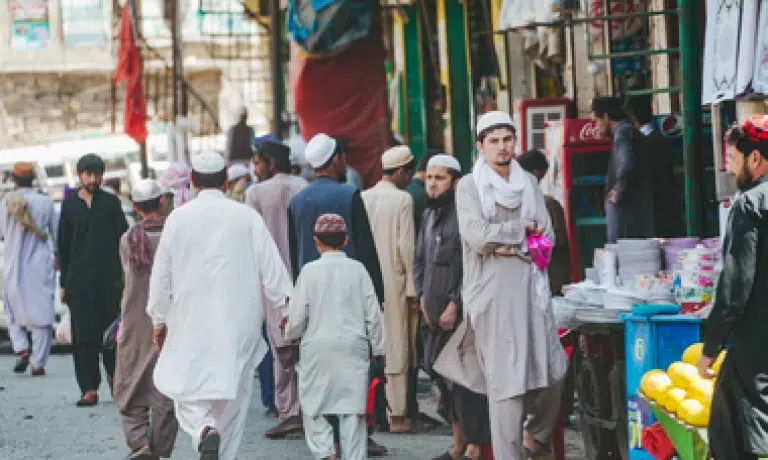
[578, 161]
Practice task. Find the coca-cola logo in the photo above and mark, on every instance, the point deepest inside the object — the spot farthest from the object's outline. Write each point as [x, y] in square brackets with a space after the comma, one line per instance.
[589, 131]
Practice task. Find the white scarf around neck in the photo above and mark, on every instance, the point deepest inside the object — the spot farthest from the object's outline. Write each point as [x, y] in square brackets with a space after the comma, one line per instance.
[515, 192]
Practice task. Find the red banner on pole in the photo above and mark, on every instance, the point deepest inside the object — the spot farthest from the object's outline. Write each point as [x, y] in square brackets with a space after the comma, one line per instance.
[129, 69]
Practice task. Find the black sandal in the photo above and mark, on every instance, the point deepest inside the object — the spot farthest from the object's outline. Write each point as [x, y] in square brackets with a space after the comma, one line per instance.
[21, 364]
[209, 445]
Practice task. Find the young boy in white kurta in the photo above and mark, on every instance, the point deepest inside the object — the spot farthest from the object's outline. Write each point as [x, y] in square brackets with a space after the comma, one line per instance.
[335, 312]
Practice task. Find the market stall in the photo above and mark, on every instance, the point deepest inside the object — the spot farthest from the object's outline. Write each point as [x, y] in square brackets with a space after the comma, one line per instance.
[640, 307]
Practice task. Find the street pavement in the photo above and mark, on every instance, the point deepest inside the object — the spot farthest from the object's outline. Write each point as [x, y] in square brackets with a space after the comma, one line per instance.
[38, 420]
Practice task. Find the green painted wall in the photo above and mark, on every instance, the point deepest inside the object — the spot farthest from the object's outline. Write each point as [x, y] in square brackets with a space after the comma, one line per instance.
[414, 103]
[461, 106]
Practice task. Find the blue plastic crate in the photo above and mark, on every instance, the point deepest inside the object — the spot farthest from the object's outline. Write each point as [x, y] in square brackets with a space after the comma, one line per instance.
[651, 342]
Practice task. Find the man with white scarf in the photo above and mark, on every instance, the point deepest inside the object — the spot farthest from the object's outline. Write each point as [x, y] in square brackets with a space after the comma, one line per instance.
[506, 297]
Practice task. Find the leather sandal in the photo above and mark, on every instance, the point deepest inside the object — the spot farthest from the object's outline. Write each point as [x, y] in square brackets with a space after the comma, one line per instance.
[89, 399]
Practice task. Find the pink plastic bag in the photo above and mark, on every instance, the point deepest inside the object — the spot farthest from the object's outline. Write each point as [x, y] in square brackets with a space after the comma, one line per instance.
[540, 249]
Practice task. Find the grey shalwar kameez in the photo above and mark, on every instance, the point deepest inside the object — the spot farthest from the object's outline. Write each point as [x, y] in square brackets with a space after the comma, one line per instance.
[629, 169]
[134, 392]
[437, 270]
[516, 339]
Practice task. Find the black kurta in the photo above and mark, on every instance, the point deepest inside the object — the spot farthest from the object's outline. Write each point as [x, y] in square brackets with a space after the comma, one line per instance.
[738, 426]
[89, 253]
[667, 207]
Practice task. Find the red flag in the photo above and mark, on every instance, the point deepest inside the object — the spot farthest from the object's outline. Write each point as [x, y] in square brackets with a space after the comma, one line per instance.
[129, 69]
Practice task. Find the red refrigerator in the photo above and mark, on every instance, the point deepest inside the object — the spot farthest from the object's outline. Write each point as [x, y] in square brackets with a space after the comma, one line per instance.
[578, 161]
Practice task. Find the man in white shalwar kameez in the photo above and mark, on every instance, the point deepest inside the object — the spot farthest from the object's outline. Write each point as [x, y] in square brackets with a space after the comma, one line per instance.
[207, 321]
[506, 297]
[28, 221]
[335, 312]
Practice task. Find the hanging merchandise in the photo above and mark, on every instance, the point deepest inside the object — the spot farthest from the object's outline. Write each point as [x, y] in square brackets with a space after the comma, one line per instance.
[328, 26]
[721, 51]
[760, 75]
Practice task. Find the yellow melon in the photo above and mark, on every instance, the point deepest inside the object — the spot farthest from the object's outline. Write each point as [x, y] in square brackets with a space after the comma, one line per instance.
[656, 386]
[719, 361]
[682, 374]
[701, 390]
[646, 376]
[692, 354]
[694, 413]
[674, 397]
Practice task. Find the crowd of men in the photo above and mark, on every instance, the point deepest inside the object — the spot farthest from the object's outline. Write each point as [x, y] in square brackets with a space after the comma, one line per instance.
[348, 294]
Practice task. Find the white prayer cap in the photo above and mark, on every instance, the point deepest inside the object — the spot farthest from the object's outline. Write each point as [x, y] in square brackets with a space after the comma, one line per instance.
[494, 119]
[146, 190]
[237, 171]
[319, 150]
[396, 157]
[208, 162]
[446, 161]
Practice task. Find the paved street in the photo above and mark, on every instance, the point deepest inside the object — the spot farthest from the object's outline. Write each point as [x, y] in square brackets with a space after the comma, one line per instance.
[38, 420]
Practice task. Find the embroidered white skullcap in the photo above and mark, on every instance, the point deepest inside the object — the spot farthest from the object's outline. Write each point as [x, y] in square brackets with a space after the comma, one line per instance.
[146, 190]
[319, 150]
[396, 157]
[446, 161]
[208, 162]
[494, 119]
[236, 171]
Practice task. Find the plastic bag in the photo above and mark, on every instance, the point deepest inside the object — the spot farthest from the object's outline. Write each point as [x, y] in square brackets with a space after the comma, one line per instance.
[64, 329]
[540, 250]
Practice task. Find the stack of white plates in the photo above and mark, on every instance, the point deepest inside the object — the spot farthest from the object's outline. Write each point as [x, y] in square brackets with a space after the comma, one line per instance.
[622, 299]
[638, 257]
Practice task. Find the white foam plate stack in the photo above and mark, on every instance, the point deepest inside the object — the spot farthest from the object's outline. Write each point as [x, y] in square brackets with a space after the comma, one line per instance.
[638, 257]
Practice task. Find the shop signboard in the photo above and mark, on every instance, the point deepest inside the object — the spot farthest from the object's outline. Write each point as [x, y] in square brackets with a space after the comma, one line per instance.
[86, 22]
[30, 26]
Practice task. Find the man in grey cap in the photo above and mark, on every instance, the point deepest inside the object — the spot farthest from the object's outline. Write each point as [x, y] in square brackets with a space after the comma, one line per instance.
[271, 197]
[135, 395]
[206, 320]
[92, 222]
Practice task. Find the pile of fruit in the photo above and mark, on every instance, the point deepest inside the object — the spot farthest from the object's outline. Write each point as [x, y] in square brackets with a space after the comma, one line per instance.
[681, 390]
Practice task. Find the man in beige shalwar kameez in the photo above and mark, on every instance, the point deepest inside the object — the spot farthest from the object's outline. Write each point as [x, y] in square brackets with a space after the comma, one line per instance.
[506, 298]
[270, 197]
[135, 393]
[390, 210]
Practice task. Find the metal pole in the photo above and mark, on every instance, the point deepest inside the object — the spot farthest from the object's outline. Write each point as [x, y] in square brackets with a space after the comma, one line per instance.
[276, 63]
[179, 96]
[690, 63]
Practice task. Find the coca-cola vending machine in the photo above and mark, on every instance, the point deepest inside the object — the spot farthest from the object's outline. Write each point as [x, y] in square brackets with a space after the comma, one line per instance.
[578, 161]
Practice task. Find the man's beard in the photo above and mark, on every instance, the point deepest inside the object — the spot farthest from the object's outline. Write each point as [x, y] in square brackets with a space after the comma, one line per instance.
[744, 180]
[92, 188]
[504, 163]
[442, 200]
[343, 178]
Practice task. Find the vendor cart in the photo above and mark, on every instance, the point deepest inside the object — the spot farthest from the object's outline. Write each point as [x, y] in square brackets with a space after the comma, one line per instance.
[598, 368]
